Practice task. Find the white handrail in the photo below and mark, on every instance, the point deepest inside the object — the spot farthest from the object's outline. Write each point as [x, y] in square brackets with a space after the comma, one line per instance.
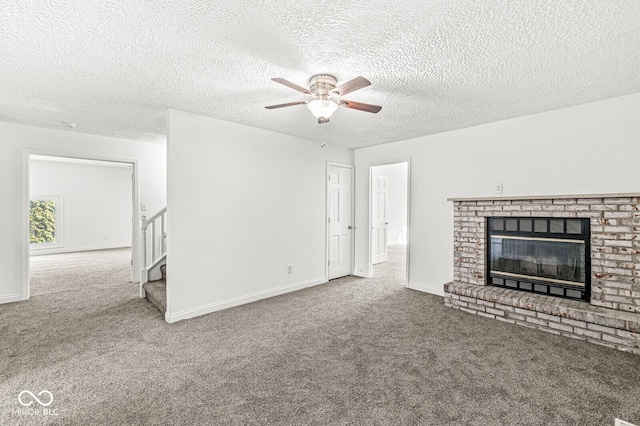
[156, 241]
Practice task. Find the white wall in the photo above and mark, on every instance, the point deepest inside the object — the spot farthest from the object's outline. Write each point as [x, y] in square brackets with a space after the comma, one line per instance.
[243, 203]
[96, 203]
[586, 149]
[16, 139]
[397, 201]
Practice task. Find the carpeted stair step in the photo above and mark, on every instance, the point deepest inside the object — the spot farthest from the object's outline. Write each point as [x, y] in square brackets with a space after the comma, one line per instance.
[157, 293]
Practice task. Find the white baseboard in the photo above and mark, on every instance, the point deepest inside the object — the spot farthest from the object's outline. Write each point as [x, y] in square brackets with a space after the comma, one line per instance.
[438, 289]
[11, 298]
[236, 301]
[360, 275]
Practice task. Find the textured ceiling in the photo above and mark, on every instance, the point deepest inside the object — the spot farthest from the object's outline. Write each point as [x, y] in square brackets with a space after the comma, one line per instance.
[114, 67]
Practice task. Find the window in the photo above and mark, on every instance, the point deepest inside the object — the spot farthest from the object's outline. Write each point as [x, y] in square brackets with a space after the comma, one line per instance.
[45, 226]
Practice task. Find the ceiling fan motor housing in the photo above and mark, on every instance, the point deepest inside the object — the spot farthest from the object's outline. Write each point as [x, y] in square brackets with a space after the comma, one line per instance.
[321, 85]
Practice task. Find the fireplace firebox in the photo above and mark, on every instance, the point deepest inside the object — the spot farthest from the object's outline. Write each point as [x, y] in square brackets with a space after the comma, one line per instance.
[540, 255]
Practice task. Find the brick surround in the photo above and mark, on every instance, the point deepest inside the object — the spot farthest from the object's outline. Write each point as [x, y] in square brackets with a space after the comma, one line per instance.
[612, 318]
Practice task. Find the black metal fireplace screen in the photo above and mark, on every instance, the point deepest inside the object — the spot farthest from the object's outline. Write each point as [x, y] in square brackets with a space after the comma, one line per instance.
[541, 255]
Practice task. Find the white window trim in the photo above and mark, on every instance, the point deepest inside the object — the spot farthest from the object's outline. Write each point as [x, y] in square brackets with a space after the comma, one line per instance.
[59, 227]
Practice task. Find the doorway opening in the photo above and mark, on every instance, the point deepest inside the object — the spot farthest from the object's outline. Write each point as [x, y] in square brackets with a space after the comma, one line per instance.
[77, 208]
[389, 218]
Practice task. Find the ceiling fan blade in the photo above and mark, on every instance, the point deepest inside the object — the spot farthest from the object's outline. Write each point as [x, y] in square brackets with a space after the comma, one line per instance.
[291, 85]
[360, 106]
[351, 86]
[286, 105]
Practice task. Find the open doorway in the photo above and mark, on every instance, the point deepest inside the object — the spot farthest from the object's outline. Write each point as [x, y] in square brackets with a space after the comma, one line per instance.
[77, 208]
[389, 215]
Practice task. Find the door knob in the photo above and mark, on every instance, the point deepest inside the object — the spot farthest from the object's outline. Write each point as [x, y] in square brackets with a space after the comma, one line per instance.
[351, 227]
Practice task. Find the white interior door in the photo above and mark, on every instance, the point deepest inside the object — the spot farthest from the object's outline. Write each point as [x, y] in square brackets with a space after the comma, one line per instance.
[379, 218]
[339, 218]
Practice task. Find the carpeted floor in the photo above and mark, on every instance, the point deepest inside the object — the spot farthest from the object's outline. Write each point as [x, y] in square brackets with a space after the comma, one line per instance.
[353, 351]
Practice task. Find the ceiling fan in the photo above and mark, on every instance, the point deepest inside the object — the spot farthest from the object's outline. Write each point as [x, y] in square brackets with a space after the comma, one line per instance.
[327, 96]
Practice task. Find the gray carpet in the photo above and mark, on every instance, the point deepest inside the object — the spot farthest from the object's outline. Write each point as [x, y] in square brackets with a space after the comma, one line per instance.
[353, 351]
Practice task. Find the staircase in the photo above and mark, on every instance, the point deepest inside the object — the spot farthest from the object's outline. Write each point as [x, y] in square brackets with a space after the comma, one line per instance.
[156, 291]
[153, 275]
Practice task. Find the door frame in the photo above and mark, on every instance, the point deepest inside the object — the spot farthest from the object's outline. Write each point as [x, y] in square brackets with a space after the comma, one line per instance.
[326, 218]
[26, 197]
[370, 216]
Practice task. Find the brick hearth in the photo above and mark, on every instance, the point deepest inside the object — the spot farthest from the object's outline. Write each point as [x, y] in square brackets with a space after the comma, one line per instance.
[611, 318]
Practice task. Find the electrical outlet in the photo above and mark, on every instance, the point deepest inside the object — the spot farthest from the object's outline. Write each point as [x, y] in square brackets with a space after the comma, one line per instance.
[289, 269]
[498, 188]
[105, 237]
[143, 207]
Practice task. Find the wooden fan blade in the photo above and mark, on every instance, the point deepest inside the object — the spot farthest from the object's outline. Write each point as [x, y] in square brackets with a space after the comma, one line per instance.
[360, 106]
[291, 85]
[351, 86]
[286, 105]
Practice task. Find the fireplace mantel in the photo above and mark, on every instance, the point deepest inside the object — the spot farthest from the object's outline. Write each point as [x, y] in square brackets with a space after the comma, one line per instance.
[544, 197]
[615, 267]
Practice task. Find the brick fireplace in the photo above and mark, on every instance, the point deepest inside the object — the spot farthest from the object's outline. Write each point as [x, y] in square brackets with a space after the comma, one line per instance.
[610, 316]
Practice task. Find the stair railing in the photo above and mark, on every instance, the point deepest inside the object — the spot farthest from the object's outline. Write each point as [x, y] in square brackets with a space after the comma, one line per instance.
[153, 242]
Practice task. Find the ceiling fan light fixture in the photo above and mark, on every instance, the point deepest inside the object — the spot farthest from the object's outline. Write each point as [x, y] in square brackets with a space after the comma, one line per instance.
[327, 96]
[322, 108]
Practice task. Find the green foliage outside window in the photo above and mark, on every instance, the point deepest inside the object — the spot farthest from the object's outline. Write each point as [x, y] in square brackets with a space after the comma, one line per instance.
[42, 221]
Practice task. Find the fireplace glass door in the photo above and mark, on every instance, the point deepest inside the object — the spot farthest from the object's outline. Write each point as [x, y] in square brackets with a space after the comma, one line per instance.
[542, 255]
